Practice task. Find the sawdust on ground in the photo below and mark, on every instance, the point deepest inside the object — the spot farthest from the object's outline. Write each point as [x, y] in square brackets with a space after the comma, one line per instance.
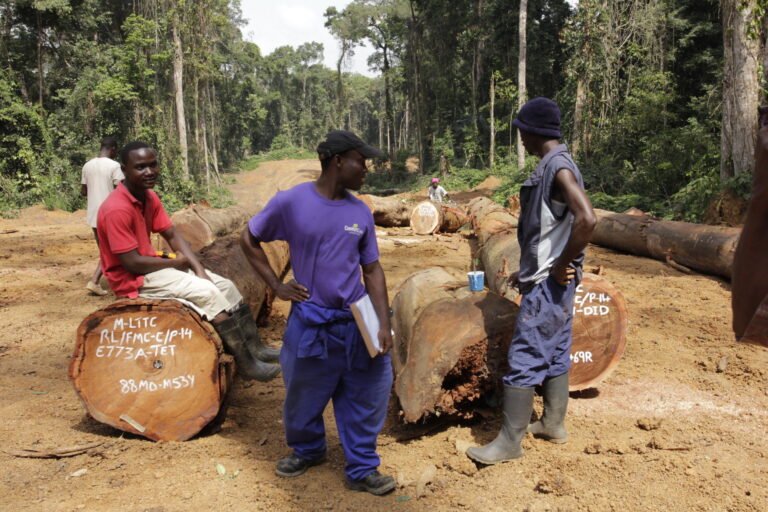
[679, 425]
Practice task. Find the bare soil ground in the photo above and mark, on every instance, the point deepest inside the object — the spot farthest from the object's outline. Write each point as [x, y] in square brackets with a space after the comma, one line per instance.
[680, 425]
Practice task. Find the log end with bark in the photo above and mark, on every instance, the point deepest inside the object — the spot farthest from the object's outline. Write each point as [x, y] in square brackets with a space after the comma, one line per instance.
[450, 344]
[599, 332]
[150, 367]
[429, 217]
[489, 218]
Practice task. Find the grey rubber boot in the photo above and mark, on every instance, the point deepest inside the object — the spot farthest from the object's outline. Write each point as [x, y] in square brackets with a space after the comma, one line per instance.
[517, 408]
[248, 367]
[256, 347]
[551, 425]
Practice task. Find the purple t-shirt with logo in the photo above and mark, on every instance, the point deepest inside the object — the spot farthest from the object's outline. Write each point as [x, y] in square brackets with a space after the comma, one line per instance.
[328, 241]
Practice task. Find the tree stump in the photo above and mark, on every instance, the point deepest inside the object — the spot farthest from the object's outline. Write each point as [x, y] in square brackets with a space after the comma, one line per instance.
[150, 367]
[450, 344]
[429, 217]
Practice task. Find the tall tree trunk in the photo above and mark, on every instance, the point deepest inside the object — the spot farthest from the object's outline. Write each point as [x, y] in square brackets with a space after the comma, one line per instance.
[492, 150]
[417, 87]
[178, 86]
[521, 89]
[211, 94]
[40, 78]
[579, 126]
[740, 89]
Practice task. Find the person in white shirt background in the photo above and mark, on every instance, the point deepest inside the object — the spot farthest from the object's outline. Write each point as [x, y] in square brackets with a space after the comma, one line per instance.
[99, 178]
[436, 192]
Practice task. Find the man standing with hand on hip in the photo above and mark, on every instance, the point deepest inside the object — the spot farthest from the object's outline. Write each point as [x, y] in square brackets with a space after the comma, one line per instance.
[331, 237]
[556, 222]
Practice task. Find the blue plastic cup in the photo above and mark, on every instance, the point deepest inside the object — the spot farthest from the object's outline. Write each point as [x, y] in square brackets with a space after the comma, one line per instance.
[476, 280]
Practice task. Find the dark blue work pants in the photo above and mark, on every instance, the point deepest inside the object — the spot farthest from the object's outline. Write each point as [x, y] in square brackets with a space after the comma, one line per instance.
[360, 398]
[541, 342]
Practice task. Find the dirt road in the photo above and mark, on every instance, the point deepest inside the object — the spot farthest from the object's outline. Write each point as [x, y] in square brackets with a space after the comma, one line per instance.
[680, 425]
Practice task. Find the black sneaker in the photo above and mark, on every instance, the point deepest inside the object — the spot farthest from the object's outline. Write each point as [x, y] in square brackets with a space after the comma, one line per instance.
[293, 465]
[374, 483]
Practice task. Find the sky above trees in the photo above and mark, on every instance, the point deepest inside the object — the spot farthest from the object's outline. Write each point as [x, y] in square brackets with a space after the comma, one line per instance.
[294, 22]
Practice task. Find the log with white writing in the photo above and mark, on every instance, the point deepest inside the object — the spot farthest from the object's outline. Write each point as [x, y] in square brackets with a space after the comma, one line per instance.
[151, 367]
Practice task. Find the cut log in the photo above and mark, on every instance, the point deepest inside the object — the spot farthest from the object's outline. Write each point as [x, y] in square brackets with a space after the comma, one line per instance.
[600, 313]
[201, 225]
[489, 218]
[390, 211]
[498, 250]
[599, 332]
[226, 258]
[429, 217]
[449, 344]
[708, 249]
[150, 367]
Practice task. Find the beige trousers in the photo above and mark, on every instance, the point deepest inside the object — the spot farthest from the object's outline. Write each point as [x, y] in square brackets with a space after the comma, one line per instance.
[208, 298]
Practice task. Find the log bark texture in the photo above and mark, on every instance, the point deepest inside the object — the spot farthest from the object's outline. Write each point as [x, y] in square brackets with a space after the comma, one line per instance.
[708, 249]
[391, 211]
[498, 250]
[450, 344]
[150, 367]
[429, 217]
[200, 225]
[225, 258]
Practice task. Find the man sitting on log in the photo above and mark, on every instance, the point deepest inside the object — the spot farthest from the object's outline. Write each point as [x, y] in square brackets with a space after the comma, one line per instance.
[331, 235]
[556, 221]
[750, 280]
[132, 268]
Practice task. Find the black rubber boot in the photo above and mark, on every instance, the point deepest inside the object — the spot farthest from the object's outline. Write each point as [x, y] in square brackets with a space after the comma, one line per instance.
[256, 347]
[293, 465]
[551, 425]
[248, 367]
[374, 483]
[517, 408]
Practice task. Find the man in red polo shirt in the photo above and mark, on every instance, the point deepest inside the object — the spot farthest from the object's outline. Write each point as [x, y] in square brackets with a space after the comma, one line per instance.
[126, 218]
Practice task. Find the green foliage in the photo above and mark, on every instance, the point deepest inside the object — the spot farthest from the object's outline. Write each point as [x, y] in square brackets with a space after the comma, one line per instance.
[511, 177]
[283, 153]
[463, 178]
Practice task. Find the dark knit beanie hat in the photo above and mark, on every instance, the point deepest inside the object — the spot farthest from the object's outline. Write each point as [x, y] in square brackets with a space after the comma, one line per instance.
[540, 116]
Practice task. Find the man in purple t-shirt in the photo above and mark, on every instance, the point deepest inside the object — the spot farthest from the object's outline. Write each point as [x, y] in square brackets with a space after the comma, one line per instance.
[331, 236]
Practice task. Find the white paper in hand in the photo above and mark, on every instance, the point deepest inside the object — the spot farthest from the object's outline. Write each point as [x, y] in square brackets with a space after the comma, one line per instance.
[368, 323]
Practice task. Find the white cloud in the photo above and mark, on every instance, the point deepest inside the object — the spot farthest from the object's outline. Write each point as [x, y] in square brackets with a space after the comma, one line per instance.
[274, 23]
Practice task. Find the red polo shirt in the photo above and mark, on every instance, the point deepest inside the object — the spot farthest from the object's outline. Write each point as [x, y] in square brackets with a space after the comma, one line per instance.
[124, 224]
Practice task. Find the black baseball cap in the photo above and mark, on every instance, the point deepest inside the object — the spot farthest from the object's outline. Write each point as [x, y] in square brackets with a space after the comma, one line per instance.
[339, 141]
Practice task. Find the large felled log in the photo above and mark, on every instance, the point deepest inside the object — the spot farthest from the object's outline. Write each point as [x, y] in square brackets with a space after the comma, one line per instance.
[150, 367]
[498, 250]
[389, 211]
[448, 343]
[708, 249]
[750, 279]
[225, 258]
[201, 225]
[600, 313]
[429, 217]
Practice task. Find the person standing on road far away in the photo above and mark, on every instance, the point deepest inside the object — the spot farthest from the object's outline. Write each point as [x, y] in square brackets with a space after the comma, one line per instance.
[436, 192]
[556, 222]
[133, 269]
[331, 235]
[99, 177]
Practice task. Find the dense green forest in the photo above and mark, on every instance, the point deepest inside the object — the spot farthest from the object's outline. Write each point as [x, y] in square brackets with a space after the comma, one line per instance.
[659, 96]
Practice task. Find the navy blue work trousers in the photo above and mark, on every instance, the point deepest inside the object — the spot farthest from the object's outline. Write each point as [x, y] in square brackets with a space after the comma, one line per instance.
[541, 342]
[360, 397]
